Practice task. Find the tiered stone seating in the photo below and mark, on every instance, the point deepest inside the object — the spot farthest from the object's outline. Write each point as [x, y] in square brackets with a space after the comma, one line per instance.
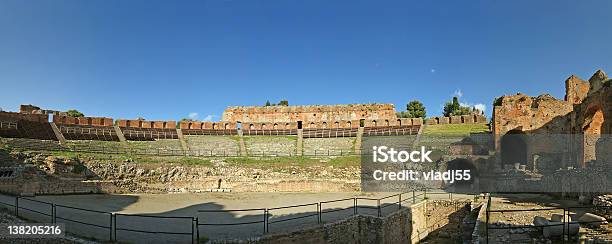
[161, 146]
[271, 145]
[328, 146]
[439, 142]
[331, 132]
[148, 134]
[85, 132]
[212, 145]
[33, 144]
[391, 130]
[397, 142]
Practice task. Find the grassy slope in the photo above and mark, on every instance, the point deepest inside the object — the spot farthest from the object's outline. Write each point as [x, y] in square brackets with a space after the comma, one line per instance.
[454, 129]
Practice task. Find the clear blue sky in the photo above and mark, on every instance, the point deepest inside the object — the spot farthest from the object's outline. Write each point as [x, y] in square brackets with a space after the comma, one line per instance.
[167, 59]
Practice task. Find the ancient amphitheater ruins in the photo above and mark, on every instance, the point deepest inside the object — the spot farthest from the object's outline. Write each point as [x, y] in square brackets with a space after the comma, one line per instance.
[561, 147]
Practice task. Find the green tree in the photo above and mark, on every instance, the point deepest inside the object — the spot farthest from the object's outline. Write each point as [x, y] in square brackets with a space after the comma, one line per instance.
[283, 103]
[415, 109]
[454, 108]
[74, 113]
[267, 103]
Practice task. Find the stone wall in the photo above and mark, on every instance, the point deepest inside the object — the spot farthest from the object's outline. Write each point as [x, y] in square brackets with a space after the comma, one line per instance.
[246, 114]
[14, 117]
[464, 119]
[147, 124]
[92, 121]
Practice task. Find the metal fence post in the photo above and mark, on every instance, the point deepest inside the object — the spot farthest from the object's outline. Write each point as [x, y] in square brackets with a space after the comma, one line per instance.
[197, 223]
[192, 230]
[17, 206]
[114, 225]
[53, 213]
[399, 202]
[379, 210]
[487, 219]
[319, 211]
[413, 197]
[266, 228]
[110, 226]
[355, 206]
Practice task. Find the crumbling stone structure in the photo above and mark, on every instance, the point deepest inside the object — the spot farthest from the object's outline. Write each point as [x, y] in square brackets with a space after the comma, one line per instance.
[318, 113]
[568, 130]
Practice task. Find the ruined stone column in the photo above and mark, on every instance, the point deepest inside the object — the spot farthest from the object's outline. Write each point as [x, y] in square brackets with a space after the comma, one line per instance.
[300, 142]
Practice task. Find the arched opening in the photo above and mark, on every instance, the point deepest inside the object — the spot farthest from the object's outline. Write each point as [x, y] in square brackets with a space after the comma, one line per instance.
[201, 125]
[386, 122]
[287, 126]
[514, 148]
[190, 125]
[251, 127]
[463, 165]
[336, 124]
[275, 126]
[238, 125]
[399, 122]
[373, 123]
[362, 123]
[225, 127]
[437, 120]
[324, 124]
[299, 125]
[348, 124]
[264, 126]
[214, 126]
[311, 125]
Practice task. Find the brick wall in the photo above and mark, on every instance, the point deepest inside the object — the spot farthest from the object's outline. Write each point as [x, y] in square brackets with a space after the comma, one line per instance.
[147, 124]
[463, 119]
[92, 121]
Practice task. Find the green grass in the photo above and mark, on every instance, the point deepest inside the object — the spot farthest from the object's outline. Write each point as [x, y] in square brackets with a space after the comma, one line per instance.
[455, 129]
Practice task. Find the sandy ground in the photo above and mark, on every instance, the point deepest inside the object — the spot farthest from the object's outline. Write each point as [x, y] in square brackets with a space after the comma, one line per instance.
[187, 206]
